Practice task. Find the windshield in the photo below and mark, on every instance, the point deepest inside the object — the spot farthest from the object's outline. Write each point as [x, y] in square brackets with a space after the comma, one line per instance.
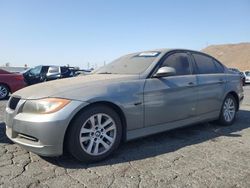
[247, 73]
[129, 64]
[36, 70]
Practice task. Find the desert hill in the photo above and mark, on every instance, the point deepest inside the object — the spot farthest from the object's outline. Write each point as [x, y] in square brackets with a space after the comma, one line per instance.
[231, 55]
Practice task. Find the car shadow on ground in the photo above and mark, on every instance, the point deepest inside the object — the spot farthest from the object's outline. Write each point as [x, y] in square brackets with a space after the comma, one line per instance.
[3, 137]
[157, 144]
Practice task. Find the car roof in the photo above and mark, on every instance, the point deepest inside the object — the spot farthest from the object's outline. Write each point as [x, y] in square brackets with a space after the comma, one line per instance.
[50, 66]
[165, 50]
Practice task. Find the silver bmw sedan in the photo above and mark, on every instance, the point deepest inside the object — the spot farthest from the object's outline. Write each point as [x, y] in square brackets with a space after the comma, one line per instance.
[134, 96]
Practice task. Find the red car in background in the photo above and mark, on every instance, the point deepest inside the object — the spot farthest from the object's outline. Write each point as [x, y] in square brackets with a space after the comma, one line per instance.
[10, 82]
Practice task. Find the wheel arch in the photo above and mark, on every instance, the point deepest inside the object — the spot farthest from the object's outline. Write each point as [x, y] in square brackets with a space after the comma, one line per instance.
[6, 86]
[112, 105]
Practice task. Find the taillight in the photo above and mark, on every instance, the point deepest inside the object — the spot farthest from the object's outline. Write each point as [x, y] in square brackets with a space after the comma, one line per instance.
[19, 77]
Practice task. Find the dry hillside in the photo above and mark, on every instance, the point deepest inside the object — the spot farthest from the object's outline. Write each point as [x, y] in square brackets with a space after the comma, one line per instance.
[232, 55]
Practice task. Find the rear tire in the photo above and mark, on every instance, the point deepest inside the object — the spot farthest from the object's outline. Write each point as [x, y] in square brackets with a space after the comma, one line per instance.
[94, 134]
[228, 111]
[4, 91]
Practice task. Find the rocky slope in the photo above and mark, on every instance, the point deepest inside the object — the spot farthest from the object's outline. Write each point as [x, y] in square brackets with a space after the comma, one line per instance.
[232, 55]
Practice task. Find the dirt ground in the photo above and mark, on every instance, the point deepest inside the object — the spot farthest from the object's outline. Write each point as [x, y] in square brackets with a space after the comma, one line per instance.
[203, 155]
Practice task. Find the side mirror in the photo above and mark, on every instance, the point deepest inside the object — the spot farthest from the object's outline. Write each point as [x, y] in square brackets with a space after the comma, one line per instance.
[165, 71]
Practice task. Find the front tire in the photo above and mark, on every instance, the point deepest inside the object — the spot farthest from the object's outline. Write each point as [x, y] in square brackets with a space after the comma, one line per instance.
[228, 111]
[4, 91]
[94, 134]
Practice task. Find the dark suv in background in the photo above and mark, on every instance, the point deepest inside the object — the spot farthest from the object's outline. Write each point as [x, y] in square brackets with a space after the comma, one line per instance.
[45, 73]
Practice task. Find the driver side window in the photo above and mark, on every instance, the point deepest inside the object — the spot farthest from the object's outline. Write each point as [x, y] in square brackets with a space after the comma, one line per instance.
[178, 61]
[36, 71]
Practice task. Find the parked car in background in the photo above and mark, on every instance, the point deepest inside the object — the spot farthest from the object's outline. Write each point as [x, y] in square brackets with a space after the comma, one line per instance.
[134, 96]
[9, 83]
[14, 69]
[243, 78]
[82, 72]
[44, 73]
[247, 77]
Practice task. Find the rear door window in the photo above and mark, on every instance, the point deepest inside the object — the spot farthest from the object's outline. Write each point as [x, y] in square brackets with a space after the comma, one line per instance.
[219, 66]
[64, 70]
[44, 69]
[205, 64]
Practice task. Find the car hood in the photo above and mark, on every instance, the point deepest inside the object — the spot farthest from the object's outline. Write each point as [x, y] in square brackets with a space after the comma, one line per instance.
[60, 88]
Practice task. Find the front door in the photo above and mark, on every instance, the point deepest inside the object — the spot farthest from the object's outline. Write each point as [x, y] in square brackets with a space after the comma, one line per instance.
[172, 98]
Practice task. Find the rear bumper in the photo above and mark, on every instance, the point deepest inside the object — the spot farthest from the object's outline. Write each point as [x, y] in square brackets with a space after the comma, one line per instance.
[247, 81]
[42, 134]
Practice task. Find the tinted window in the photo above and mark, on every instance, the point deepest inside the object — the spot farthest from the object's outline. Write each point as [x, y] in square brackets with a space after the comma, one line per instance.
[44, 69]
[219, 66]
[205, 64]
[64, 69]
[180, 62]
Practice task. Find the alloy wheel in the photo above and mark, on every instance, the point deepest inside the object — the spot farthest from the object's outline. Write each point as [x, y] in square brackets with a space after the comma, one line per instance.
[229, 109]
[98, 134]
[3, 92]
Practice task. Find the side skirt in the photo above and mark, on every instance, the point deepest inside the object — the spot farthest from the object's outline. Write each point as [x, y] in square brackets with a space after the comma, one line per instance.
[138, 133]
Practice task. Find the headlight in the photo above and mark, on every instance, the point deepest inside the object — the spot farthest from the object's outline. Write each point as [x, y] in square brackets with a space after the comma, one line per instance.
[44, 106]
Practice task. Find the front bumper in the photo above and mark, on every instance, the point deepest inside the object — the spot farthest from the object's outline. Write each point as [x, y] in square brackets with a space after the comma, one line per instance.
[247, 81]
[42, 134]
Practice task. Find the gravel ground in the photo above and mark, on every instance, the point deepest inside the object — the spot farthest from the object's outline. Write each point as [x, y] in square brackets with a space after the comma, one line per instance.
[203, 155]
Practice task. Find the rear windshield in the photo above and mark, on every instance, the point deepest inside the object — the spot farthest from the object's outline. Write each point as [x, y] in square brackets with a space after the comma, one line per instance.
[129, 64]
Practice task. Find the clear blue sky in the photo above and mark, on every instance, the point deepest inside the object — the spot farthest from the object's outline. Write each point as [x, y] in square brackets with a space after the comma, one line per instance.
[75, 32]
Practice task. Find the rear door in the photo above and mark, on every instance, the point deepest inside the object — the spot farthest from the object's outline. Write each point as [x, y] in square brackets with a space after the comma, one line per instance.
[172, 98]
[211, 82]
